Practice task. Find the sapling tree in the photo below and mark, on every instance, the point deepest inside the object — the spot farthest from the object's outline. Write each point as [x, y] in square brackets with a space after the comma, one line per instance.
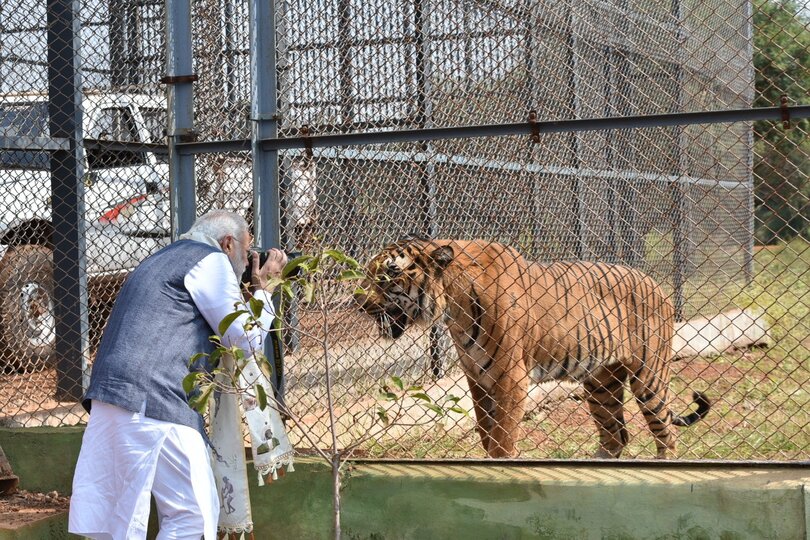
[306, 278]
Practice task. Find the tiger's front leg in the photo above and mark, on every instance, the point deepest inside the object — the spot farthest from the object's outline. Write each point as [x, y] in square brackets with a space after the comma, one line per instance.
[509, 398]
[499, 414]
[483, 404]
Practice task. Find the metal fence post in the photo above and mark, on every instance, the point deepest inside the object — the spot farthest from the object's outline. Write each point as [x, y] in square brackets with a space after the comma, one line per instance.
[180, 96]
[748, 264]
[533, 23]
[264, 124]
[67, 196]
[349, 166]
[427, 178]
[118, 40]
[577, 184]
[678, 193]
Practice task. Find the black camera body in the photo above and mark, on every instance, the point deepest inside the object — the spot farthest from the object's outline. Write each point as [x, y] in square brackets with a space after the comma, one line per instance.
[247, 275]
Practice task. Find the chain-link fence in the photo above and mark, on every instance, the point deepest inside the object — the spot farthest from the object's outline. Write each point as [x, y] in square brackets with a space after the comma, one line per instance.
[715, 212]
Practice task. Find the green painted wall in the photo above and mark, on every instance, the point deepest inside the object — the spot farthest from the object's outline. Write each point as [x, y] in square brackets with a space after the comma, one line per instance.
[44, 458]
[485, 501]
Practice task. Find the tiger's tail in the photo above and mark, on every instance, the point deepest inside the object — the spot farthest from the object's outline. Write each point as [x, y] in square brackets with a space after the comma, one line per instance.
[703, 406]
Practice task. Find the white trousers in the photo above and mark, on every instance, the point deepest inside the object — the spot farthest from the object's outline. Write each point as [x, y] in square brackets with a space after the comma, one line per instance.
[125, 456]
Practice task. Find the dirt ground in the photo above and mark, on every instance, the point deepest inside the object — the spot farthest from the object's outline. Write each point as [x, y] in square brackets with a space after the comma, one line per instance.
[25, 507]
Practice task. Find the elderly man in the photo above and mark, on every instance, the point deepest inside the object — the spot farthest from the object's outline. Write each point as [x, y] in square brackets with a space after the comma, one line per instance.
[142, 437]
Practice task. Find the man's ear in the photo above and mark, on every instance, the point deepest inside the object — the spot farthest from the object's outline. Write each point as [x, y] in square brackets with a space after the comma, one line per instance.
[442, 257]
[227, 243]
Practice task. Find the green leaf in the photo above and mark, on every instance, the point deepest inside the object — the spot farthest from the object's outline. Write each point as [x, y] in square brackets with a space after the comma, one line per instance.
[382, 414]
[360, 290]
[228, 319]
[265, 366]
[341, 258]
[287, 290]
[261, 396]
[256, 307]
[214, 357]
[435, 408]
[200, 403]
[349, 275]
[459, 410]
[196, 357]
[388, 396]
[397, 382]
[335, 255]
[190, 381]
[298, 262]
[422, 396]
[272, 283]
[415, 388]
[309, 292]
[452, 398]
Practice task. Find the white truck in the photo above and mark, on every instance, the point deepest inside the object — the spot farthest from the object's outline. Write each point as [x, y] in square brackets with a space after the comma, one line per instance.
[126, 213]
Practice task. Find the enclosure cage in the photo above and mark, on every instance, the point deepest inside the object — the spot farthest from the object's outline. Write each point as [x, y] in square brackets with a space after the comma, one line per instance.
[676, 201]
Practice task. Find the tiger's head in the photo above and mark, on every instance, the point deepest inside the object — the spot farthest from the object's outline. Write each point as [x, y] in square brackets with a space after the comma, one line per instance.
[402, 284]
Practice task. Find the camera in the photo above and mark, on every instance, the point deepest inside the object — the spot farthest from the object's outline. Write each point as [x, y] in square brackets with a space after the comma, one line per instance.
[246, 276]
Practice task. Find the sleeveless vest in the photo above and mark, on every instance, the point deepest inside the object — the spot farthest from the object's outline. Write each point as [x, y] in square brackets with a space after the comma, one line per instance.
[152, 332]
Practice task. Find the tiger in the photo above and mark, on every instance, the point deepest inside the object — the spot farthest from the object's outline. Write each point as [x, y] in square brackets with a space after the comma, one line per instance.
[600, 324]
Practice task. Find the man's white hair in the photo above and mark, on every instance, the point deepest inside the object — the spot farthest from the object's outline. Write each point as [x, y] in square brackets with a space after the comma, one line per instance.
[220, 223]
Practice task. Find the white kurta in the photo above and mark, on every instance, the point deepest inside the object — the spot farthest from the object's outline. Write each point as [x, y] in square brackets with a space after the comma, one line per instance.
[125, 455]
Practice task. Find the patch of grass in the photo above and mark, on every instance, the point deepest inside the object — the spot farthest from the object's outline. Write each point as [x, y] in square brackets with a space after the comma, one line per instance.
[421, 443]
[762, 414]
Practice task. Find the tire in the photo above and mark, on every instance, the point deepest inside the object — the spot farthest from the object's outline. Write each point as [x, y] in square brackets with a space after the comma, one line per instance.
[27, 321]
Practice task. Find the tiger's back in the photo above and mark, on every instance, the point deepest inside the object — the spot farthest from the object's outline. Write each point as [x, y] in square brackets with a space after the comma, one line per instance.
[595, 314]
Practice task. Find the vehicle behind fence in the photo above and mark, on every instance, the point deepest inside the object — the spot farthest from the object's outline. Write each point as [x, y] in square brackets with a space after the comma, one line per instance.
[564, 265]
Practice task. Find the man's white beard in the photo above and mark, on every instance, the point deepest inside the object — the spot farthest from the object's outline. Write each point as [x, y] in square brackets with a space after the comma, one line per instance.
[238, 266]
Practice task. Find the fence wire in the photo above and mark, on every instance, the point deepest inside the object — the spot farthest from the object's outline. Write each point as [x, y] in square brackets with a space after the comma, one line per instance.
[716, 214]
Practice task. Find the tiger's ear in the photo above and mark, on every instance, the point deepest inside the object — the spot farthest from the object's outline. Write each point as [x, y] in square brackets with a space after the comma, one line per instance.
[442, 257]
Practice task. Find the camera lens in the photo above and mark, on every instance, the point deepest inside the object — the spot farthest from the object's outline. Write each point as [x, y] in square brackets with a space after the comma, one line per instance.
[248, 274]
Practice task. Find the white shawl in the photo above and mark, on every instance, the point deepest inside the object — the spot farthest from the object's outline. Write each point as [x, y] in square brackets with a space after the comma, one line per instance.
[270, 446]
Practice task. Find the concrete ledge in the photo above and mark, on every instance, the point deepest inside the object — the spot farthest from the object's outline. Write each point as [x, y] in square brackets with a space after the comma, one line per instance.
[544, 501]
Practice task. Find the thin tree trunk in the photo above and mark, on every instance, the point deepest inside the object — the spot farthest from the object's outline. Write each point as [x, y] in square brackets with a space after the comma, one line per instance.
[335, 461]
[336, 493]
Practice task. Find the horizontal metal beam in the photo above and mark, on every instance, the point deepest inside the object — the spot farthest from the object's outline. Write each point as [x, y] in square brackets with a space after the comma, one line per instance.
[515, 166]
[504, 130]
[45, 144]
[32, 144]
[100, 144]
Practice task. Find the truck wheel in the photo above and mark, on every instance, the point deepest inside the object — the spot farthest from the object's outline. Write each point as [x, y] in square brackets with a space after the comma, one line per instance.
[27, 322]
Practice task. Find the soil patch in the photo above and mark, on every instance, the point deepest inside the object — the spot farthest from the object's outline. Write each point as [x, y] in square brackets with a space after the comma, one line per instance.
[26, 507]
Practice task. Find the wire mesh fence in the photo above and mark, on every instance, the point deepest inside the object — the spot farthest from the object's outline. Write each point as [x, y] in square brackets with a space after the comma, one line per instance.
[715, 213]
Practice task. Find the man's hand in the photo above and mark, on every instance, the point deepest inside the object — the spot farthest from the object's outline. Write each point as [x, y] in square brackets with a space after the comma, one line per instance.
[276, 260]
